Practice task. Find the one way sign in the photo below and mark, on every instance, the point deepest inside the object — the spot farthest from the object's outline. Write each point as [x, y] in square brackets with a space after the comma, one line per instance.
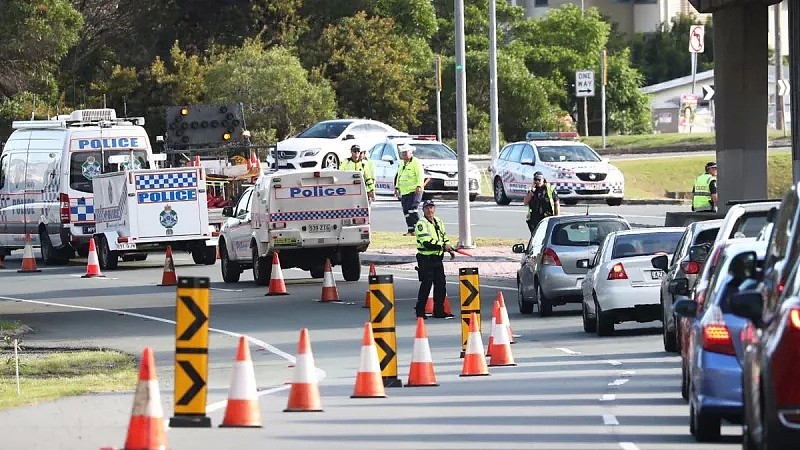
[584, 83]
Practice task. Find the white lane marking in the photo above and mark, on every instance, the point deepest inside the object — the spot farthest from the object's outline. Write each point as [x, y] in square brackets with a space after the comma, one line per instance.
[226, 290]
[568, 351]
[619, 382]
[613, 362]
[607, 397]
[628, 446]
[628, 373]
[609, 419]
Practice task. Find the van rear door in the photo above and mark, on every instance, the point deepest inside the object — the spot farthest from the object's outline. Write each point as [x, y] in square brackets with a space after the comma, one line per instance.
[168, 203]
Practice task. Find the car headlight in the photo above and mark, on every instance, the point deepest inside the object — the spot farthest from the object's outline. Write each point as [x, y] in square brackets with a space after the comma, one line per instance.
[310, 152]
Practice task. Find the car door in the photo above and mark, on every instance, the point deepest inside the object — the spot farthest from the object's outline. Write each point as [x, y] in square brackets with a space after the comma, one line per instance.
[532, 254]
[381, 168]
[527, 163]
[514, 184]
[390, 156]
[240, 229]
[591, 279]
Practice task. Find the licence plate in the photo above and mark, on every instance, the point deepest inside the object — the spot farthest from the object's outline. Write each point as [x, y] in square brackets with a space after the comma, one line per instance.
[126, 246]
[320, 228]
[656, 274]
[88, 230]
[451, 183]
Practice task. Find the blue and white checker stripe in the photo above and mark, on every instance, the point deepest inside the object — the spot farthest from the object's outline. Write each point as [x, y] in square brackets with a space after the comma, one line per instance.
[82, 209]
[166, 181]
[600, 185]
[319, 215]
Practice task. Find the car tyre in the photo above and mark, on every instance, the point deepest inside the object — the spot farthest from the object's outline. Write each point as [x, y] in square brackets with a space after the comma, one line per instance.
[613, 201]
[669, 338]
[198, 255]
[107, 259]
[262, 267]
[330, 161]
[525, 307]
[545, 307]
[500, 196]
[51, 256]
[231, 271]
[603, 323]
[351, 265]
[589, 326]
[317, 271]
[684, 382]
[706, 426]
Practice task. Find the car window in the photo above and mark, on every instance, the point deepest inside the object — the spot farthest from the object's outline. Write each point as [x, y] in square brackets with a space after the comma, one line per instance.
[577, 234]
[3, 170]
[527, 153]
[749, 225]
[388, 150]
[506, 152]
[784, 222]
[244, 204]
[434, 151]
[516, 152]
[567, 153]
[325, 130]
[375, 152]
[716, 283]
[86, 165]
[706, 236]
[360, 129]
[630, 245]
[682, 248]
[375, 128]
[539, 233]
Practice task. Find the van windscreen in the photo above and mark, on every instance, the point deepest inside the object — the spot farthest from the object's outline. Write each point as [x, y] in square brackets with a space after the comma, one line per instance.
[83, 166]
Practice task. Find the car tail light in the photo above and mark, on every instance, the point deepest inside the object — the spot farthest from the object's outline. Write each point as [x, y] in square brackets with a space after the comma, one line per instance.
[64, 210]
[785, 365]
[277, 225]
[550, 258]
[617, 272]
[716, 336]
[359, 221]
[690, 267]
[122, 239]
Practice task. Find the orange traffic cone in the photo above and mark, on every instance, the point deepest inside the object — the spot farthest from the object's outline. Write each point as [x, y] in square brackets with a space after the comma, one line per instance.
[369, 383]
[146, 428]
[474, 361]
[28, 260]
[372, 273]
[92, 265]
[329, 291]
[504, 313]
[243, 409]
[304, 393]
[421, 372]
[276, 284]
[501, 347]
[495, 315]
[196, 162]
[169, 278]
[448, 311]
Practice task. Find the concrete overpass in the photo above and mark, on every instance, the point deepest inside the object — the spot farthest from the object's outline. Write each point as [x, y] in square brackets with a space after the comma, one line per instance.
[740, 66]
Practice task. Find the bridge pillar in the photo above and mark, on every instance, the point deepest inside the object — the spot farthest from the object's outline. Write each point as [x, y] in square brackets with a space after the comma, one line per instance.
[740, 82]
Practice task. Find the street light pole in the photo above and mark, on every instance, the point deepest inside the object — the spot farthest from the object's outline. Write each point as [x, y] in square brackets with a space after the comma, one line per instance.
[493, 125]
[464, 232]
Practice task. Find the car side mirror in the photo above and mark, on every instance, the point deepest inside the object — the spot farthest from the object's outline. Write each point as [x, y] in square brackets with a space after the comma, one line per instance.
[678, 286]
[518, 248]
[348, 137]
[743, 265]
[699, 253]
[685, 308]
[660, 262]
[747, 304]
[227, 211]
[387, 158]
[526, 161]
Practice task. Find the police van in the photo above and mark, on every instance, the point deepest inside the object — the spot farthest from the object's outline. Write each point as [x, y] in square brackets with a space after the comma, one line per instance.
[306, 216]
[46, 172]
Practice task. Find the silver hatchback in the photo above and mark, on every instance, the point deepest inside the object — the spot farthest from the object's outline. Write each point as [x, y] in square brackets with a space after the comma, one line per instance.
[555, 260]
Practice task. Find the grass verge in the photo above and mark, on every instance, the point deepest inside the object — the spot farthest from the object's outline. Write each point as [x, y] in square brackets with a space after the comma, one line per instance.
[664, 140]
[381, 240]
[48, 376]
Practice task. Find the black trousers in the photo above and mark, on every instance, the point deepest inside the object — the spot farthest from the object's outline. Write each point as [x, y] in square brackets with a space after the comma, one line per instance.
[410, 204]
[431, 273]
[533, 221]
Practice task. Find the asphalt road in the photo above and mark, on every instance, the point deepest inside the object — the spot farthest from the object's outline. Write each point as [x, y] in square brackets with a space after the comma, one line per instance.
[569, 390]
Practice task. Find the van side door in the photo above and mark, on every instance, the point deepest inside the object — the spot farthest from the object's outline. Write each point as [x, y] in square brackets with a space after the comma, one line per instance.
[4, 198]
[240, 228]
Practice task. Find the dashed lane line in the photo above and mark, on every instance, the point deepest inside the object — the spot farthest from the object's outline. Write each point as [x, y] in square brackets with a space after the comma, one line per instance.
[568, 351]
[610, 419]
[619, 382]
[608, 397]
[628, 446]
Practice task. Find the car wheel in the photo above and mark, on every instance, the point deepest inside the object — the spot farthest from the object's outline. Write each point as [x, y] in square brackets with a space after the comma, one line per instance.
[589, 325]
[706, 426]
[525, 307]
[50, 256]
[330, 161]
[211, 255]
[500, 196]
[569, 201]
[230, 270]
[198, 255]
[603, 323]
[351, 265]
[613, 201]
[668, 336]
[106, 258]
[261, 267]
[684, 382]
[545, 307]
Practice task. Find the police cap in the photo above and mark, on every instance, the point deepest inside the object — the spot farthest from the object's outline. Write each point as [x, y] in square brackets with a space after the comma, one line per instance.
[427, 203]
[711, 165]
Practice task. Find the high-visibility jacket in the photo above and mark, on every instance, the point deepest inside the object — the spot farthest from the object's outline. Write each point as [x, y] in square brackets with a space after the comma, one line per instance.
[366, 168]
[701, 193]
[409, 176]
[431, 236]
[550, 195]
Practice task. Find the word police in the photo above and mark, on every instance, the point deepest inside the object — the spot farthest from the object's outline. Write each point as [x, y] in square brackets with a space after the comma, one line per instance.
[182, 195]
[122, 142]
[316, 191]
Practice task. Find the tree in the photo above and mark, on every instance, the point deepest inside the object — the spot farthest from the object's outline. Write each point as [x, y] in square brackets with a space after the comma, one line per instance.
[413, 17]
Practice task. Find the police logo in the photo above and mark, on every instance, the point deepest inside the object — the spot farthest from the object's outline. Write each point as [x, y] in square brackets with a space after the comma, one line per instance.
[592, 176]
[168, 217]
[419, 227]
[90, 168]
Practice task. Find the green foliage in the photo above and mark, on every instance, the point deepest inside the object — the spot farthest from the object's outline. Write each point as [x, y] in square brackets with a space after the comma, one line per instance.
[628, 109]
[413, 17]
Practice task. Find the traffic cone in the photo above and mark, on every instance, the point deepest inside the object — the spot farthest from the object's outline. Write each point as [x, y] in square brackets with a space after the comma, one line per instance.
[28, 260]
[197, 162]
[495, 315]
[169, 278]
[329, 291]
[276, 284]
[92, 265]
[504, 313]
[304, 393]
[421, 371]
[243, 410]
[474, 361]
[448, 311]
[369, 383]
[146, 428]
[372, 273]
[501, 347]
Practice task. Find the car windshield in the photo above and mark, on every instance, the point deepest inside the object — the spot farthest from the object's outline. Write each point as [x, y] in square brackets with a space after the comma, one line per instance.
[749, 225]
[629, 245]
[325, 130]
[577, 234]
[433, 151]
[567, 153]
[84, 166]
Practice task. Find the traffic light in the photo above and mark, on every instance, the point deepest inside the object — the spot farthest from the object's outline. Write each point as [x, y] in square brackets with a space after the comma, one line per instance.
[199, 126]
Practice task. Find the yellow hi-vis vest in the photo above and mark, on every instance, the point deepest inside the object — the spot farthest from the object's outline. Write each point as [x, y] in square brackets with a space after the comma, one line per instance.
[701, 193]
[549, 190]
[366, 168]
[431, 237]
[409, 176]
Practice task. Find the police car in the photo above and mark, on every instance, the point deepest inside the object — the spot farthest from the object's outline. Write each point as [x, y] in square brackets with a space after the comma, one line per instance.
[575, 170]
[439, 162]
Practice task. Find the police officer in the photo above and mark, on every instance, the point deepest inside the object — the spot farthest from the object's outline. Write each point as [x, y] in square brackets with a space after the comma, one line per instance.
[408, 186]
[432, 242]
[704, 191]
[356, 162]
[542, 201]
[369, 172]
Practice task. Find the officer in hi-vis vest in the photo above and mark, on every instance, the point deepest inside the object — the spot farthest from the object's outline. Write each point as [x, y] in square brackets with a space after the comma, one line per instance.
[432, 242]
[704, 191]
[356, 162]
[541, 200]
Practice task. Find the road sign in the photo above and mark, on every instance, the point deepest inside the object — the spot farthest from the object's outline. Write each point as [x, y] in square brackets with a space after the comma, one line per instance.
[783, 87]
[697, 39]
[191, 353]
[470, 294]
[708, 92]
[584, 83]
[381, 314]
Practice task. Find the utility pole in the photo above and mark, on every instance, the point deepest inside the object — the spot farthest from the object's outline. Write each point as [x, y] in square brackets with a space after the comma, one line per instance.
[438, 98]
[604, 77]
[494, 143]
[464, 232]
[780, 121]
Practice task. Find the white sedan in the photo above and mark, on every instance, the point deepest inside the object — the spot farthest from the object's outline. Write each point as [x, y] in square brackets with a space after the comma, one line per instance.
[622, 285]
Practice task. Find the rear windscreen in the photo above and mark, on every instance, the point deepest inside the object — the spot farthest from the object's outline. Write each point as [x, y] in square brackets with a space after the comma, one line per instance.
[706, 236]
[749, 225]
[577, 234]
[645, 244]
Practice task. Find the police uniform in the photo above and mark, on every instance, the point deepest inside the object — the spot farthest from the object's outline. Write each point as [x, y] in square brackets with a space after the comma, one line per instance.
[410, 176]
[431, 243]
[367, 171]
[542, 204]
[704, 186]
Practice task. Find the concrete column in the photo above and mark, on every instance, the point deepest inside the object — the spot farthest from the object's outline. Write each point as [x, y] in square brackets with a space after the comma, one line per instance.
[794, 77]
[740, 82]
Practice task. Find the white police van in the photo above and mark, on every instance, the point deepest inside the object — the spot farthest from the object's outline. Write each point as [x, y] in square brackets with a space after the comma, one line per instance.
[46, 172]
[575, 170]
[306, 216]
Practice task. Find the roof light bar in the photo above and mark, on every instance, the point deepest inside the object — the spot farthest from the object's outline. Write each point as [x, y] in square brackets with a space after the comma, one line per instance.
[551, 135]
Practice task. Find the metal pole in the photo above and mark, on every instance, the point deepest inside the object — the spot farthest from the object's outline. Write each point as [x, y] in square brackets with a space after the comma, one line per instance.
[603, 75]
[585, 117]
[464, 232]
[439, 98]
[694, 71]
[794, 94]
[780, 121]
[493, 125]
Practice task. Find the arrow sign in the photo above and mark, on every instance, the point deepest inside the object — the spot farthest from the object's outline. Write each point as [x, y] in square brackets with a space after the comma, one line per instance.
[386, 306]
[783, 87]
[708, 92]
[584, 83]
[199, 318]
[198, 383]
[388, 351]
[473, 294]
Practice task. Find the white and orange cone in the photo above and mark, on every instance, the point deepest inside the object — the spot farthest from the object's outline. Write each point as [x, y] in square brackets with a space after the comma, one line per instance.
[372, 273]
[421, 372]
[329, 291]
[501, 346]
[504, 313]
[92, 264]
[495, 315]
[474, 362]
[146, 428]
[277, 286]
[168, 278]
[28, 260]
[448, 310]
[304, 393]
[369, 383]
[242, 409]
